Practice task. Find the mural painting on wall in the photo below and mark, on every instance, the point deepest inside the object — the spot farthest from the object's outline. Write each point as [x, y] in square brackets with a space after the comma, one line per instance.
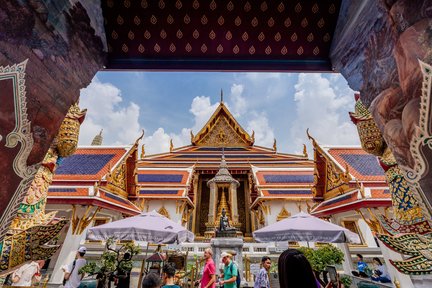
[16, 142]
[417, 244]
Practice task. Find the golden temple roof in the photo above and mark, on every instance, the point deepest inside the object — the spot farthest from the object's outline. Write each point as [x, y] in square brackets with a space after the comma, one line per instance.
[222, 130]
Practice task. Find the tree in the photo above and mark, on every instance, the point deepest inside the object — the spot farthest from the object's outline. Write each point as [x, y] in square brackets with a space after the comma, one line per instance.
[113, 260]
[321, 258]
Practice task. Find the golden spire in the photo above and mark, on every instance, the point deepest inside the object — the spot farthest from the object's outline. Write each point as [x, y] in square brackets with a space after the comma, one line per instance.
[274, 145]
[97, 140]
[253, 136]
[221, 96]
[142, 151]
[171, 145]
[223, 204]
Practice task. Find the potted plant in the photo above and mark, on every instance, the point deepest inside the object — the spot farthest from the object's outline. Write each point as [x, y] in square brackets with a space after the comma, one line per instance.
[114, 264]
[346, 281]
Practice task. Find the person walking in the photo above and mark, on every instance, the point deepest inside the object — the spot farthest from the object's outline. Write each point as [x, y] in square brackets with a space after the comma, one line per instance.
[262, 280]
[72, 276]
[208, 279]
[27, 274]
[230, 271]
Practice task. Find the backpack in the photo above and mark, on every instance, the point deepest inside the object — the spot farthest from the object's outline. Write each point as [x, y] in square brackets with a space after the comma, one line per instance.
[238, 280]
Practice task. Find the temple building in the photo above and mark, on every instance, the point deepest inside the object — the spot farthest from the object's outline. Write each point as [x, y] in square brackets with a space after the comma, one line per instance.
[222, 168]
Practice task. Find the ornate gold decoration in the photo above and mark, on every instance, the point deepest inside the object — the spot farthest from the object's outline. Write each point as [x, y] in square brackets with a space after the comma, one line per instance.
[164, 212]
[274, 145]
[336, 178]
[69, 131]
[370, 136]
[223, 204]
[283, 214]
[419, 247]
[117, 180]
[171, 145]
[305, 153]
[31, 227]
[222, 130]
[142, 151]
[372, 221]
[80, 223]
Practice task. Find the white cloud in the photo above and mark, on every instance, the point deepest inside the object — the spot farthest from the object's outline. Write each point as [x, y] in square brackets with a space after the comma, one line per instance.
[239, 102]
[264, 135]
[323, 109]
[106, 110]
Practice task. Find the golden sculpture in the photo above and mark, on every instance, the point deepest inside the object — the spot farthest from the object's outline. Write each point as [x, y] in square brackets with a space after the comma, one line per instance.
[32, 229]
[370, 136]
[67, 137]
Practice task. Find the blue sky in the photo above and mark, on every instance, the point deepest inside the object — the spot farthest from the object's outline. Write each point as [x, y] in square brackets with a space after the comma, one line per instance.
[170, 104]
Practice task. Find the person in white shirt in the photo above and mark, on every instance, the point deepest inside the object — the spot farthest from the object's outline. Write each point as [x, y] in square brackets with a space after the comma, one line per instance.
[27, 273]
[72, 276]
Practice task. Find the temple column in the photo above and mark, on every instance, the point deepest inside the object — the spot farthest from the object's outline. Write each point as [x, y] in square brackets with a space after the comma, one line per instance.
[234, 204]
[81, 219]
[212, 204]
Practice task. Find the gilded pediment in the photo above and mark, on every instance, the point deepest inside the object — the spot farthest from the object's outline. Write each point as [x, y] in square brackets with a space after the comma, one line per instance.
[222, 130]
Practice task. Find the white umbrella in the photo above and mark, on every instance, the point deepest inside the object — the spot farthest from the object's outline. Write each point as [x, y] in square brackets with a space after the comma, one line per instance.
[305, 227]
[149, 227]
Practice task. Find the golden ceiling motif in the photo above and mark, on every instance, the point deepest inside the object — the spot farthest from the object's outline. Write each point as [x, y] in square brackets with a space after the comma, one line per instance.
[168, 25]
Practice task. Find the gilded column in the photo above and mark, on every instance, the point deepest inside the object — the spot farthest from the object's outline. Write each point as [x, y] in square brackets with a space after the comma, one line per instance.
[234, 205]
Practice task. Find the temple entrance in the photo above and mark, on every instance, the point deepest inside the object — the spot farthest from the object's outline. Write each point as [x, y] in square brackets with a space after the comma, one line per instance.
[202, 209]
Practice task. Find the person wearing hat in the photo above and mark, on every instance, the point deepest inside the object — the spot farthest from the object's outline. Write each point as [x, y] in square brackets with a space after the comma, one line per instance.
[72, 279]
[230, 271]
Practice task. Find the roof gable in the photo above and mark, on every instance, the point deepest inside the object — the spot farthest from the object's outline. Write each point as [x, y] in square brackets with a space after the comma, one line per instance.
[222, 130]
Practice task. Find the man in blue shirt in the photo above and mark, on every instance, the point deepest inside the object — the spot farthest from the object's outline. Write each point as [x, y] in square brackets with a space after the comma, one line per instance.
[230, 271]
[361, 266]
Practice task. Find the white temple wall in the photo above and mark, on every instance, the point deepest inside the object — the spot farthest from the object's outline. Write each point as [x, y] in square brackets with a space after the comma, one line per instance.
[170, 206]
[367, 233]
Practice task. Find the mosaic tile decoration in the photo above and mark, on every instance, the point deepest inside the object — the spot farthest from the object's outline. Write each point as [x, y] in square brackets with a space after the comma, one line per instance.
[83, 164]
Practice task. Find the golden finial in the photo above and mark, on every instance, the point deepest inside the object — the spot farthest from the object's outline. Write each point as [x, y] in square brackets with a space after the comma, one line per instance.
[274, 145]
[397, 283]
[191, 135]
[221, 96]
[171, 145]
[311, 138]
[142, 151]
[305, 154]
[140, 137]
[253, 136]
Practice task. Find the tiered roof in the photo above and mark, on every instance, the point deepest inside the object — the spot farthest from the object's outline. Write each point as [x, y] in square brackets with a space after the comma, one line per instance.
[364, 184]
[96, 175]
